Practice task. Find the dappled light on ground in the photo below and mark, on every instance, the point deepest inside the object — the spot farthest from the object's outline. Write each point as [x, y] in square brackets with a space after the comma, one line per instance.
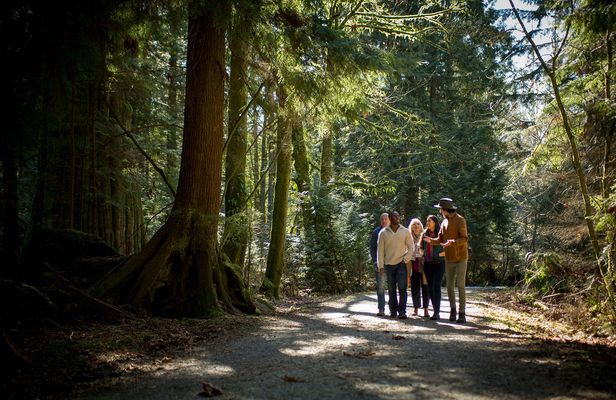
[338, 348]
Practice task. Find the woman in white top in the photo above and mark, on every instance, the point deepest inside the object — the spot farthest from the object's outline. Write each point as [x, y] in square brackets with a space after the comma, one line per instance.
[419, 285]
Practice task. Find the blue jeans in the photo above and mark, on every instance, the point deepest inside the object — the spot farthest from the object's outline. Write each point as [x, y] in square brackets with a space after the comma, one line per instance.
[380, 288]
[434, 275]
[396, 279]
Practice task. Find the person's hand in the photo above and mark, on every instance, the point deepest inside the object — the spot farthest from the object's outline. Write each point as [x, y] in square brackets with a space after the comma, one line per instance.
[441, 254]
[426, 239]
[449, 243]
[381, 270]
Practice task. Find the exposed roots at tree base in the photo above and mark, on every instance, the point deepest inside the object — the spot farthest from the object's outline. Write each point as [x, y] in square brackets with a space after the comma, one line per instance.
[179, 273]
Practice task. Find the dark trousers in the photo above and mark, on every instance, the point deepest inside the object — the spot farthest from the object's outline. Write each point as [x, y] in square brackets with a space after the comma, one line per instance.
[417, 286]
[396, 281]
[434, 274]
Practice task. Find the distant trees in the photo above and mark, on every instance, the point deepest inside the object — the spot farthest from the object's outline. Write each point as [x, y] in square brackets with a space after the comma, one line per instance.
[574, 147]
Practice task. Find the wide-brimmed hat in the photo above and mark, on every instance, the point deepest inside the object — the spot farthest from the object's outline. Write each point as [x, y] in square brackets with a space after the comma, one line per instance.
[445, 202]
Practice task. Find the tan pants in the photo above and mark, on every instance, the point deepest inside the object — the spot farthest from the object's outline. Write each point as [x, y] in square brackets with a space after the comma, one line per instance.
[456, 272]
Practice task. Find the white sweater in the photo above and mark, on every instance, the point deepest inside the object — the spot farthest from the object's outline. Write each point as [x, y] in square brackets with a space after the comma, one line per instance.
[394, 247]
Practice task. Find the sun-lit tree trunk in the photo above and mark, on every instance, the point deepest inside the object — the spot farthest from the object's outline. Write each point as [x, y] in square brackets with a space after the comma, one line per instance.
[275, 256]
[180, 272]
[235, 237]
[256, 154]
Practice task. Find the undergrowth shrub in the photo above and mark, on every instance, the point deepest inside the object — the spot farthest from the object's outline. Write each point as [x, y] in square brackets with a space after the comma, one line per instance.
[545, 274]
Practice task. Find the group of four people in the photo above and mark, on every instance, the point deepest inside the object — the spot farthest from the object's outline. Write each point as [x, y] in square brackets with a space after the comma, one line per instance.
[420, 257]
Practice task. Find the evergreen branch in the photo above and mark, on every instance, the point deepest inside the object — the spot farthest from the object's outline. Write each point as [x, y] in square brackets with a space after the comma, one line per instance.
[352, 13]
[147, 127]
[562, 45]
[141, 150]
[409, 17]
[407, 34]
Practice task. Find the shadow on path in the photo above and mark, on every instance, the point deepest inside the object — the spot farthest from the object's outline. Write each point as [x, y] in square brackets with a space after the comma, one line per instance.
[339, 349]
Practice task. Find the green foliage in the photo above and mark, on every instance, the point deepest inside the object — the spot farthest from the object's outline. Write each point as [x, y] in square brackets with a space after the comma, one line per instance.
[545, 274]
[336, 247]
[605, 219]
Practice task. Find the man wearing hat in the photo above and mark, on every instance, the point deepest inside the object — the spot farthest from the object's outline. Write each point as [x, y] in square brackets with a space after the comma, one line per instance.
[453, 236]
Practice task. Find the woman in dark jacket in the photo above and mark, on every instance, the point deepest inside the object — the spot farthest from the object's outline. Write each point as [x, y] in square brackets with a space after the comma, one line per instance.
[434, 264]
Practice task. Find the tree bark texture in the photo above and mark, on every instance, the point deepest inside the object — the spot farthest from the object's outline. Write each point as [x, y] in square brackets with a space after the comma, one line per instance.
[180, 271]
[275, 256]
[302, 168]
[327, 157]
[235, 237]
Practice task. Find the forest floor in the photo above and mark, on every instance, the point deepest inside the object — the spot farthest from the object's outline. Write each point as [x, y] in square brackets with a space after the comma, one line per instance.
[323, 348]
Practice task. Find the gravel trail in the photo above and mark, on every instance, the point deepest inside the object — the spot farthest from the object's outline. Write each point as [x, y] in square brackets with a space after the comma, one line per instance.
[337, 348]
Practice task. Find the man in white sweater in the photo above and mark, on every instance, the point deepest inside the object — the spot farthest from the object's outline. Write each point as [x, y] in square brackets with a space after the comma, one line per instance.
[395, 253]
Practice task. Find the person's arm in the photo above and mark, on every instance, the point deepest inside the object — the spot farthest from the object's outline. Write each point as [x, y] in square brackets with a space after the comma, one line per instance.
[373, 245]
[380, 258]
[462, 238]
[437, 240]
[410, 248]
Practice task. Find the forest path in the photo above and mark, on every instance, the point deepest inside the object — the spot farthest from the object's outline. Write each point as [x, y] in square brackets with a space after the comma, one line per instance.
[336, 348]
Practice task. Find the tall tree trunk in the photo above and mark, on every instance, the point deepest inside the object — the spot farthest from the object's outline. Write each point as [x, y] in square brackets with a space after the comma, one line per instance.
[179, 272]
[256, 168]
[275, 256]
[235, 237]
[302, 169]
[271, 179]
[327, 157]
[263, 183]
[173, 76]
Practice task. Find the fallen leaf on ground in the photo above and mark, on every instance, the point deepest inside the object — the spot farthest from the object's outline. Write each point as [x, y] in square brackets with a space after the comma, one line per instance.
[360, 354]
[292, 379]
[210, 391]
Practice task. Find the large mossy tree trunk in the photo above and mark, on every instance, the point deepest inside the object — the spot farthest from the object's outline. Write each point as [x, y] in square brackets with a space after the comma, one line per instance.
[235, 237]
[275, 256]
[180, 272]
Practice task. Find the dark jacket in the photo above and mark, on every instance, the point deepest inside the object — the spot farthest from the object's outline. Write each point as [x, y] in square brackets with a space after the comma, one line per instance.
[374, 239]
